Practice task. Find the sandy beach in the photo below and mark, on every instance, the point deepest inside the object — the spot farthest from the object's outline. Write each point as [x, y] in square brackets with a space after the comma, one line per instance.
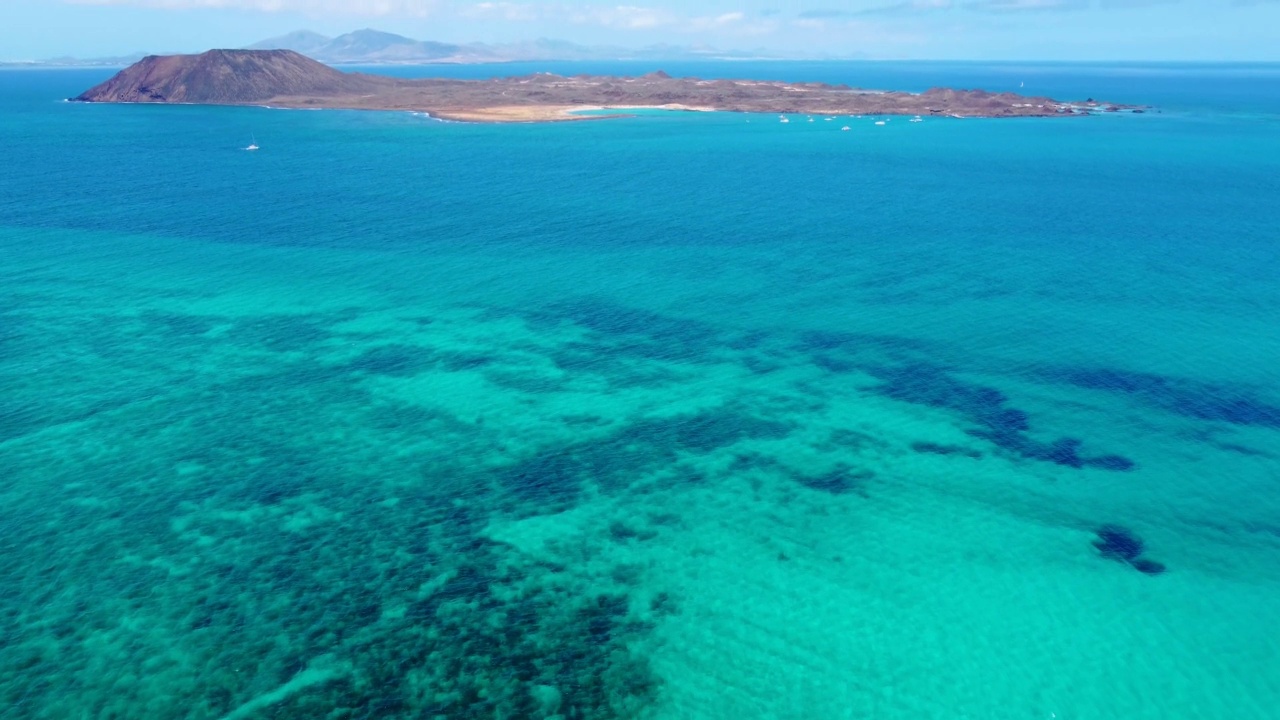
[551, 113]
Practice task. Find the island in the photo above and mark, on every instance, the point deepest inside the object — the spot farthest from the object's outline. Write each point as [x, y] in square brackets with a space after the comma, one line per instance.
[286, 79]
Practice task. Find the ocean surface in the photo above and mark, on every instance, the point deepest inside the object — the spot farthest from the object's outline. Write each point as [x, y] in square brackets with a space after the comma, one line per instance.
[685, 415]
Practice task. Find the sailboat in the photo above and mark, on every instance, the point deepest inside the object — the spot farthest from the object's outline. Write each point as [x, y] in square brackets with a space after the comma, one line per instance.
[253, 145]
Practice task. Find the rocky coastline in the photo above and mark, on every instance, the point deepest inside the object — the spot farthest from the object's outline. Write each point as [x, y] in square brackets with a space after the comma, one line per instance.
[286, 79]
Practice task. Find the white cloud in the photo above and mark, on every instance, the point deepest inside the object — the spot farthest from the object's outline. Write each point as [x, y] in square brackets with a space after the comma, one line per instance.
[509, 11]
[415, 8]
[623, 16]
[810, 23]
[717, 21]
[1017, 5]
[615, 17]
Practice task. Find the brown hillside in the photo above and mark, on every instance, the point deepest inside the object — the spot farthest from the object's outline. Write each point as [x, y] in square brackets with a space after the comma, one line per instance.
[226, 77]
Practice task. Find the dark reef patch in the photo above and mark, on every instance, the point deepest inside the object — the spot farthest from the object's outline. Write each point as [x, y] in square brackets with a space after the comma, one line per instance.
[489, 644]
[181, 325]
[849, 439]
[576, 359]
[815, 341]
[1148, 567]
[1118, 543]
[1118, 463]
[19, 417]
[553, 478]
[1243, 450]
[584, 420]
[454, 361]
[620, 531]
[833, 363]
[933, 387]
[393, 360]
[1189, 398]
[932, 448]
[302, 375]
[407, 418]
[986, 407]
[753, 461]
[612, 319]
[190, 519]
[760, 364]
[703, 431]
[839, 481]
[282, 333]
[639, 333]
[410, 360]
[1115, 542]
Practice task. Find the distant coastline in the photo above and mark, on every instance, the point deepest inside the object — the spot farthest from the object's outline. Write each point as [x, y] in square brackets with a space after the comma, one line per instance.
[374, 48]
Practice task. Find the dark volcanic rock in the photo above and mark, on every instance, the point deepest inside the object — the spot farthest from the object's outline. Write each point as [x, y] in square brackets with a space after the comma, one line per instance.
[226, 77]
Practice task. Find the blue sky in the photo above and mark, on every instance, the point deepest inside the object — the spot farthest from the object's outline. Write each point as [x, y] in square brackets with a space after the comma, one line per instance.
[1198, 30]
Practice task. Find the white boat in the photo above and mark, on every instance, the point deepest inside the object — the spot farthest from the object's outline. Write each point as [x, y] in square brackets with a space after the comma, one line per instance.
[253, 145]
[784, 118]
[846, 127]
[879, 122]
[917, 119]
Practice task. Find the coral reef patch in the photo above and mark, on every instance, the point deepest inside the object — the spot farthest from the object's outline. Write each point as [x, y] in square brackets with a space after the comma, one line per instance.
[1115, 542]
[1197, 400]
[987, 408]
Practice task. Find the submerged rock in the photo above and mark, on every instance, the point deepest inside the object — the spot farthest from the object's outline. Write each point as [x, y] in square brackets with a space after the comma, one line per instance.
[1118, 543]
[1148, 567]
[1122, 545]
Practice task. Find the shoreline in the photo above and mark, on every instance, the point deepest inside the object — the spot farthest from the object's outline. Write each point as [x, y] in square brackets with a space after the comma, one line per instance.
[559, 113]
[504, 114]
[535, 114]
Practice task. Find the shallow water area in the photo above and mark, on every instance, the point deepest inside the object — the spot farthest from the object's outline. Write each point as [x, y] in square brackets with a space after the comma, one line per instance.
[668, 416]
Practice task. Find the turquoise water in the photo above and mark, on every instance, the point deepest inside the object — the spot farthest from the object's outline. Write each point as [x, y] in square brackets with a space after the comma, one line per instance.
[676, 416]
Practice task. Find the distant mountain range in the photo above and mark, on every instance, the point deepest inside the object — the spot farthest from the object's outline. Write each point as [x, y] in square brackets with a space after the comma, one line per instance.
[369, 47]
[374, 47]
[72, 62]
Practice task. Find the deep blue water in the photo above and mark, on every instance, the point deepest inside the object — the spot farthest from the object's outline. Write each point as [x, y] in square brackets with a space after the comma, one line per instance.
[679, 415]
